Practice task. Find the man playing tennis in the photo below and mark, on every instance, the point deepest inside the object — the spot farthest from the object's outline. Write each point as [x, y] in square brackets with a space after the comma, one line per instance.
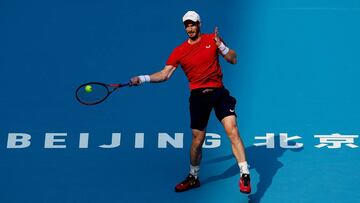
[199, 59]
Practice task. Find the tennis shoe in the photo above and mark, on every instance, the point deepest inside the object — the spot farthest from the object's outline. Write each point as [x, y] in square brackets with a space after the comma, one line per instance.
[244, 183]
[189, 183]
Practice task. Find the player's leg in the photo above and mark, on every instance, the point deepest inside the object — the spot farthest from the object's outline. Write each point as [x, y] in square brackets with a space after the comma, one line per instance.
[225, 112]
[192, 180]
[198, 137]
[232, 131]
[200, 109]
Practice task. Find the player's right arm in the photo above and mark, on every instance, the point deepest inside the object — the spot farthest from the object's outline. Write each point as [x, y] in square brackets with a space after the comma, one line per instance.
[160, 76]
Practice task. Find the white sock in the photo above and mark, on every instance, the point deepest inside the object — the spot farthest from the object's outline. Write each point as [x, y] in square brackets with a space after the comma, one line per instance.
[194, 170]
[244, 168]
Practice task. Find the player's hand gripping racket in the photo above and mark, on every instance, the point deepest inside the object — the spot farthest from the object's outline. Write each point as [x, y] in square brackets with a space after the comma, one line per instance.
[92, 93]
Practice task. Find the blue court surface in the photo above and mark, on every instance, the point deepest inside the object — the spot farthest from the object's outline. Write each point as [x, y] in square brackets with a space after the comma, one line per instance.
[296, 84]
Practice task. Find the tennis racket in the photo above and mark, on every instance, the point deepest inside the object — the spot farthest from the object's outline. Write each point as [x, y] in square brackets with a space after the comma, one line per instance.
[92, 93]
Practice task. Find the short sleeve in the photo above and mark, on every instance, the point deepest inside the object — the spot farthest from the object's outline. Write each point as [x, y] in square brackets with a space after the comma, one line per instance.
[173, 59]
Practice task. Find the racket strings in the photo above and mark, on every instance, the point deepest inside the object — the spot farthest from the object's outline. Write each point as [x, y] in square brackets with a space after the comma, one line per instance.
[92, 93]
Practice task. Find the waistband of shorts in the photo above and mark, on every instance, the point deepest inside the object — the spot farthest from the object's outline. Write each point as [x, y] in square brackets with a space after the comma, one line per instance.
[205, 90]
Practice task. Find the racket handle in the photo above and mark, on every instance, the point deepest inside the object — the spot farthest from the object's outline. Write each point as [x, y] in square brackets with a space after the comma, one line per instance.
[127, 84]
[120, 85]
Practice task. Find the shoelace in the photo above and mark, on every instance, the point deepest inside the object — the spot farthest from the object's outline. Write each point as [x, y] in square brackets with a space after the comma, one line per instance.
[189, 179]
[246, 180]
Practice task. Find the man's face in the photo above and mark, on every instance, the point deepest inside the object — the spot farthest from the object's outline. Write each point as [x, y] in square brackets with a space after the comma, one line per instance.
[192, 29]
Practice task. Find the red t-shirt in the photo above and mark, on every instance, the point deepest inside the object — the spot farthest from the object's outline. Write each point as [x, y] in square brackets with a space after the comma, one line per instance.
[199, 61]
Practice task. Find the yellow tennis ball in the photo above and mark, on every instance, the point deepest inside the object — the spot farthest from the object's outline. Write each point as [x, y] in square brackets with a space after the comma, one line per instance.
[88, 88]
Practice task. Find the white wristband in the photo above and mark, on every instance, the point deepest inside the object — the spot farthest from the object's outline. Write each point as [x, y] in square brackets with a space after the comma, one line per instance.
[144, 78]
[223, 49]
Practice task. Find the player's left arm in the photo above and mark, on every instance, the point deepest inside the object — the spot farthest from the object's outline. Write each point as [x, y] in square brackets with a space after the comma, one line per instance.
[228, 54]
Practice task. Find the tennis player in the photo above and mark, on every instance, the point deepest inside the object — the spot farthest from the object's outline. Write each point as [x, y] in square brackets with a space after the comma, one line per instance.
[199, 58]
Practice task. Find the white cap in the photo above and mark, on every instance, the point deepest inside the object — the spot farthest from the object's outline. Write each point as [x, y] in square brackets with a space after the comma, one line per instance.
[191, 15]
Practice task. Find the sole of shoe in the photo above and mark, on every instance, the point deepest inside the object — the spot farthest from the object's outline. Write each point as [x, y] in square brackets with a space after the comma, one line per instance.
[189, 188]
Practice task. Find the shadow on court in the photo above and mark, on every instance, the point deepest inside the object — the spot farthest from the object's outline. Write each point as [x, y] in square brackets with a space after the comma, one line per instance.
[264, 161]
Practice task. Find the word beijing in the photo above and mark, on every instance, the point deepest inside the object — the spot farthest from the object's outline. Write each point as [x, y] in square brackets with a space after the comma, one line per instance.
[58, 140]
[213, 140]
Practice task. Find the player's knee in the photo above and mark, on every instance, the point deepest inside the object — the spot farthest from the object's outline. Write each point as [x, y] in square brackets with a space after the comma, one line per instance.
[231, 129]
[198, 135]
[233, 134]
[198, 140]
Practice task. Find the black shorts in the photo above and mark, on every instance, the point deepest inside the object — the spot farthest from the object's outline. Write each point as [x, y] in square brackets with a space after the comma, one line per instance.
[203, 100]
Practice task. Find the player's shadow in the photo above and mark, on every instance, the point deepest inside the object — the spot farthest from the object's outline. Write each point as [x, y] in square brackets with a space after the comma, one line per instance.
[265, 161]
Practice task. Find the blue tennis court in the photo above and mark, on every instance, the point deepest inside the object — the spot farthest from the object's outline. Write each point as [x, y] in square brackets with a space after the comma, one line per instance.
[296, 84]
